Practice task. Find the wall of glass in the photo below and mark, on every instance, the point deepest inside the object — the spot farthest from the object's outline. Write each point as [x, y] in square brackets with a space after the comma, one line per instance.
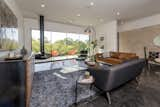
[60, 45]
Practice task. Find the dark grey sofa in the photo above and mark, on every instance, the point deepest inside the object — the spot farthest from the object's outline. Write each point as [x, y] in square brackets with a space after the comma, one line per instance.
[108, 78]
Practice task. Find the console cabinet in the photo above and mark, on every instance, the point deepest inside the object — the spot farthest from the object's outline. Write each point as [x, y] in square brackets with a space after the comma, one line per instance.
[16, 82]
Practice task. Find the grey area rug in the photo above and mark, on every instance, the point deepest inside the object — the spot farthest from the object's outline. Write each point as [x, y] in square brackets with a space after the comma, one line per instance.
[50, 90]
[56, 89]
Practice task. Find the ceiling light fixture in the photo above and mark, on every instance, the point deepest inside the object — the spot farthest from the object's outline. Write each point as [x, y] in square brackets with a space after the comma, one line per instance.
[101, 20]
[92, 3]
[71, 21]
[43, 5]
[118, 13]
[78, 15]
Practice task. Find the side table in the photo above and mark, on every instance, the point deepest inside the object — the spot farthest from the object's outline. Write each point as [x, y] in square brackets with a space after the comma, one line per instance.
[83, 81]
[155, 62]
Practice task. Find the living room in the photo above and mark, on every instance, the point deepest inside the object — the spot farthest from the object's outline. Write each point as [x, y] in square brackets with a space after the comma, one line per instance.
[79, 53]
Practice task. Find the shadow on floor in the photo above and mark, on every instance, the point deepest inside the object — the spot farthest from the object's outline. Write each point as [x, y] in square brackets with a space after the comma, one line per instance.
[144, 94]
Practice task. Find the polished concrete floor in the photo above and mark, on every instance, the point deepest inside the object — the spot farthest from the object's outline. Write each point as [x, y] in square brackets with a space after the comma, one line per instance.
[144, 94]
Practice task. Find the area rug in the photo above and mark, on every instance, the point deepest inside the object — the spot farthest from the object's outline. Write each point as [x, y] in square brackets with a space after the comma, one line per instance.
[55, 89]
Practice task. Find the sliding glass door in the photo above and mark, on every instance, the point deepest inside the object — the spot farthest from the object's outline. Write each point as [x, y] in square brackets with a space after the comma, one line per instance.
[72, 44]
[84, 42]
[48, 42]
[60, 45]
[35, 41]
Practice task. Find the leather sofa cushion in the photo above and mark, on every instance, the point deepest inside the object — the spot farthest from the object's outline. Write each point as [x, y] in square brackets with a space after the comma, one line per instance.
[127, 56]
[113, 61]
[123, 55]
[114, 55]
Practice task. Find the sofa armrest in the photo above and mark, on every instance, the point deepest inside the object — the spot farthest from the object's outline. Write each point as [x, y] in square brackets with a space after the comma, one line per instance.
[101, 75]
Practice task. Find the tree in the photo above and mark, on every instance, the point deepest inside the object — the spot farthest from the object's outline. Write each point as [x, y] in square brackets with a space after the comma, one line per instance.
[62, 46]
[35, 46]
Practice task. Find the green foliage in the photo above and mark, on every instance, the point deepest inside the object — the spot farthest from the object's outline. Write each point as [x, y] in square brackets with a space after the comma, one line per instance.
[62, 46]
[8, 44]
[35, 46]
[94, 44]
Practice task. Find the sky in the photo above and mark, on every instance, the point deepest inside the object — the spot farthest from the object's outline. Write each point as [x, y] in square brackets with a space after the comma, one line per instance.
[54, 36]
[9, 33]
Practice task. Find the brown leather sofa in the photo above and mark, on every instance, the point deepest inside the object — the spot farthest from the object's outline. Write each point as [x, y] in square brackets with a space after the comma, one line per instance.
[116, 57]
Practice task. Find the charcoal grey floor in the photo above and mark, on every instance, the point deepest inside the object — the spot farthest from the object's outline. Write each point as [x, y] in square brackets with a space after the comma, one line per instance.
[146, 94]
[50, 90]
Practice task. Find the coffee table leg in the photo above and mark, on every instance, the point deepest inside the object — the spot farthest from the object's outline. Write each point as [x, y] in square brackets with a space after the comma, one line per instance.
[90, 92]
[76, 94]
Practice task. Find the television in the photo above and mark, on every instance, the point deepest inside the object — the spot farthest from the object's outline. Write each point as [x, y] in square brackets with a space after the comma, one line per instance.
[8, 28]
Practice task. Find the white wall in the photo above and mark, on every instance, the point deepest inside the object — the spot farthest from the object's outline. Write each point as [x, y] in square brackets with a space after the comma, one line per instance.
[140, 23]
[109, 31]
[30, 24]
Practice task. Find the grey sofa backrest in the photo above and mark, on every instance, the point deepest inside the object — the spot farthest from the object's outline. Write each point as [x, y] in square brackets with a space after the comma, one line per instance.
[122, 73]
[108, 78]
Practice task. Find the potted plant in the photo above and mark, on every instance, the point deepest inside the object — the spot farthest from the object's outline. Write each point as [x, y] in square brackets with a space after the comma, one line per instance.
[93, 46]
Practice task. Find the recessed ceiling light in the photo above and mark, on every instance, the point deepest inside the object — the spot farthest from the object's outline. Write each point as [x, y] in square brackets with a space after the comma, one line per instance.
[101, 20]
[71, 21]
[91, 24]
[118, 13]
[78, 15]
[43, 5]
[92, 3]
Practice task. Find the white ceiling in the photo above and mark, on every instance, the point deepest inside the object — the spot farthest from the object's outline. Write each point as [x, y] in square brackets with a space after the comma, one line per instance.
[65, 11]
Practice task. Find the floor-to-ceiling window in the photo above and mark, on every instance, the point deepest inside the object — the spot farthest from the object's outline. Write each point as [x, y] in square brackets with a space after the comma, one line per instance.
[60, 45]
[35, 41]
[48, 42]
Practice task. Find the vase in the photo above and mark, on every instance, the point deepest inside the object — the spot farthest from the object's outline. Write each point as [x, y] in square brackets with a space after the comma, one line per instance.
[23, 51]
